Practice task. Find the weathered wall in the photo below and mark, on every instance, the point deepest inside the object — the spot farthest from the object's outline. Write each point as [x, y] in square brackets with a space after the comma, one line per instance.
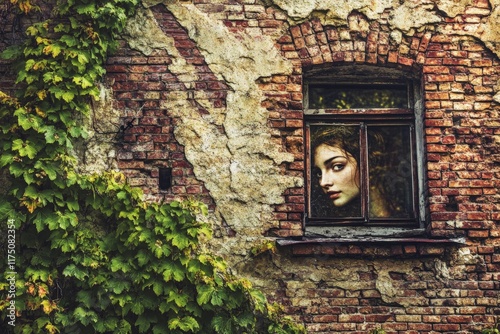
[217, 91]
[213, 89]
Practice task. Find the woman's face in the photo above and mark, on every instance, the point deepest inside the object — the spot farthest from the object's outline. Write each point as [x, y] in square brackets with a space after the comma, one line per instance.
[338, 174]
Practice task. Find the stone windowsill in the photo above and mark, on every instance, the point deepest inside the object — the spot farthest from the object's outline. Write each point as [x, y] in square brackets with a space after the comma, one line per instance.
[369, 247]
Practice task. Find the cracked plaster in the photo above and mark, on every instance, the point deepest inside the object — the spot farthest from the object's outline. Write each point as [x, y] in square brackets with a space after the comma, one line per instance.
[405, 16]
[239, 167]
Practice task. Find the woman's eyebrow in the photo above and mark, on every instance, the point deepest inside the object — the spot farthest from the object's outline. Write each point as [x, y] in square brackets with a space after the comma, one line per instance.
[326, 162]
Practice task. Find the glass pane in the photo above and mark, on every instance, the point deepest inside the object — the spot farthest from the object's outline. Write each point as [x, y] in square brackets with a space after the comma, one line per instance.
[335, 178]
[390, 171]
[357, 96]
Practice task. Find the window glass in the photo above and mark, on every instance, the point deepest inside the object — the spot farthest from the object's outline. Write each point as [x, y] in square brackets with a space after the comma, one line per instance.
[362, 172]
[324, 96]
[390, 171]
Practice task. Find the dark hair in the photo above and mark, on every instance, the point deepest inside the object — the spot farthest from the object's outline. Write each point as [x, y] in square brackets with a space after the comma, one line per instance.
[342, 136]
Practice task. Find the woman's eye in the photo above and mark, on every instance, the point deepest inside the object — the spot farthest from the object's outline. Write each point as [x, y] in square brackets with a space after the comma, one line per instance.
[317, 173]
[338, 167]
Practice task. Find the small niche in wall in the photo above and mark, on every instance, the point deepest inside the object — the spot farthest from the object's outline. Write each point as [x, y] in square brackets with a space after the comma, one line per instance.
[165, 178]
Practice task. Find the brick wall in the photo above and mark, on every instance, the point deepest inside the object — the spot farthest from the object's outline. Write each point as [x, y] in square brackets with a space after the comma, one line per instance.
[406, 287]
[461, 122]
[140, 83]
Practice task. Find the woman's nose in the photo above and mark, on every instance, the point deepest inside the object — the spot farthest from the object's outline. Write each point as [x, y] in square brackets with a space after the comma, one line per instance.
[326, 180]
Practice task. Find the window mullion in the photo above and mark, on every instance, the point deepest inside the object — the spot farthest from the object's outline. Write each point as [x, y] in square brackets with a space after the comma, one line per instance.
[363, 166]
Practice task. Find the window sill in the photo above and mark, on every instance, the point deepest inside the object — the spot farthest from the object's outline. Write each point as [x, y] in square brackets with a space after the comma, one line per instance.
[369, 247]
[362, 240]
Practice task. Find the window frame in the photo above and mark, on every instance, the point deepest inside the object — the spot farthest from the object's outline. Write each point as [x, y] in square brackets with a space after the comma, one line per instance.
[412, 116]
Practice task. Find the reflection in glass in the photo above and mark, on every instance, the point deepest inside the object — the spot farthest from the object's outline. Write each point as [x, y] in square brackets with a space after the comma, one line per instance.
[336, 186]
[323, 96]
[335, 175]
[390, 170]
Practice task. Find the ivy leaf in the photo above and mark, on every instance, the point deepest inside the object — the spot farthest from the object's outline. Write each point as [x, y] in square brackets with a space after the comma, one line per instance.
[69, 40]
[204, 294]
[6, 210]
[173, 271]
[50, 168]
[68, 96]
[137, 308]
[124, 327]
[82, 81]
[180, 299]
[85, 298]
[142, 258]
[217, 298]
[10, 53]
[180, 241]
[143, 323]
[55, 50]
[72, 270]
[119, 286]
[24, 148]
[222, 325]
[185, 324]
[158, 288]
[6, 159]
[82, 58]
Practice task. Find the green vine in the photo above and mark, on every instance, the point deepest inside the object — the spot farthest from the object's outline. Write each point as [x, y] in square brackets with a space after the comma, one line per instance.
[92, 256]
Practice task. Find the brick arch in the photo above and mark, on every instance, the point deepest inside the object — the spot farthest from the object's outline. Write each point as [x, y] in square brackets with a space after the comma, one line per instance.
[312, 43]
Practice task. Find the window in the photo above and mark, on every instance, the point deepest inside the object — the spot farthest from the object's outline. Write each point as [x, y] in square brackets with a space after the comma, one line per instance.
[364, 139]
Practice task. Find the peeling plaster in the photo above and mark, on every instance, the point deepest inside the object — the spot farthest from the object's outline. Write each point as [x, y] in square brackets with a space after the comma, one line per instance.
[97, 154]
[239, 167]
[406, 16]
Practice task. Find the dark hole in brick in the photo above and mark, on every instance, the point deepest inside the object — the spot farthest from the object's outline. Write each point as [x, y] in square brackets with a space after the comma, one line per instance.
[452, 204]
[165, 178]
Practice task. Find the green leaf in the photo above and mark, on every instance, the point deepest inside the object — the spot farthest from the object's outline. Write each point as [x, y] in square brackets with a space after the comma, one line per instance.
[180, 299]
[68, 96]
[185, 324]
[137, 307]
[72, 270]
[217, 298]
[120, 264]
[204, 294]
[10, 53]
[158, 288]
[118, 286]
[82, 58]
[143, 323]
[69, 40]
[85, 297]
[222, 325]
[173, 271]
[83, 82]
[6, 210]
[180, 241]
[24, 148]
[6, 159]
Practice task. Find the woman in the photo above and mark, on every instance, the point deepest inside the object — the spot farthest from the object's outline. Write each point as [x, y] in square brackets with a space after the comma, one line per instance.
[336, 192]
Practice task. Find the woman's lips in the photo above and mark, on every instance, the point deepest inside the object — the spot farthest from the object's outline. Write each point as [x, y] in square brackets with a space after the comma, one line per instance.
[334, 194]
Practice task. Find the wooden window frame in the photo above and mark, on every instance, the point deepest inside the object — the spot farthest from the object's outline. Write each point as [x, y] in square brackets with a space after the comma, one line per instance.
[412, 116]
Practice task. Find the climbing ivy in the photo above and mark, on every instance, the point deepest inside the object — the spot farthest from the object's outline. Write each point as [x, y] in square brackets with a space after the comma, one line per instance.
[92, 256]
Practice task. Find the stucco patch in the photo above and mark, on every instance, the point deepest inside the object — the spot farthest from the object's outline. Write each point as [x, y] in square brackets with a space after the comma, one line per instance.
[97, 153]
[240, 167]
[403, 15]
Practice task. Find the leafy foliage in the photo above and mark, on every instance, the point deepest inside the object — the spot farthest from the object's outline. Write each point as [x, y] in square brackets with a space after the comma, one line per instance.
[492, 330]
[95, 257]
